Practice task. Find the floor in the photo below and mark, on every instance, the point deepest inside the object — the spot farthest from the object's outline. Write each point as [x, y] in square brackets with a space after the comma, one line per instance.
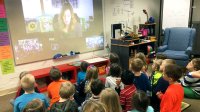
[5, 105]
[195, 105]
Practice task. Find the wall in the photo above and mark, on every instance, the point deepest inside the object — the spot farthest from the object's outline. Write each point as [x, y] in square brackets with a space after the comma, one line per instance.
[196, 9]
[9, 82]
[135, 16]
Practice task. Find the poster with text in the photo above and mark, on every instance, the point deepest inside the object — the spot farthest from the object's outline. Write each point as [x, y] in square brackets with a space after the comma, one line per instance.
[4, 40]
[3, 25]
[7, 66]
[5, 52]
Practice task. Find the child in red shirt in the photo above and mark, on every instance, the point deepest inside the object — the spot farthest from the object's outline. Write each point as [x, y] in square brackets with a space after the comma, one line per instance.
[54, 87]
[172, 98]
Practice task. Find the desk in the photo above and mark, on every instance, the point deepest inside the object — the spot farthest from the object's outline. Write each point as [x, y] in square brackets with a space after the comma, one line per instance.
[125, 48]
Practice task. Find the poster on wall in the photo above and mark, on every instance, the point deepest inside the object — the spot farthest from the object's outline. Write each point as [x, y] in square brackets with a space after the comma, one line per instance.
[6, 57]
[5, 52]
[2, 11]
[4, 40]
[7, 66]
[3, 25]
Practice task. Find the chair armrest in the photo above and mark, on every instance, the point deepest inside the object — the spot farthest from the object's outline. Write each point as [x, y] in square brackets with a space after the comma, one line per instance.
[162, 48]
[188, 50]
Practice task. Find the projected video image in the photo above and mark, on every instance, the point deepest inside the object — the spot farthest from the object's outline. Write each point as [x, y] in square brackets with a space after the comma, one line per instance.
[28, 46]
[39, 29]
[57, 15]
[95, 42]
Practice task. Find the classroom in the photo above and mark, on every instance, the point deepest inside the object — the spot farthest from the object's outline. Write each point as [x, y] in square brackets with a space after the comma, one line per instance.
[42, 39]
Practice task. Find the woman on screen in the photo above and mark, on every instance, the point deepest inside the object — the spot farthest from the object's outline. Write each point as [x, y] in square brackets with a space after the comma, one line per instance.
[68, 23]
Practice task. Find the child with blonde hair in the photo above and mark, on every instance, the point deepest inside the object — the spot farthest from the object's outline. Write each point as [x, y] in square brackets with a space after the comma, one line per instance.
[94, 106]
[27, 83]
[140, 80]
[66, 102]
[92, 74]
[161, 85]
[84, 88]
[20, 91]
[156, 71]
[110, 98]
[141, 56]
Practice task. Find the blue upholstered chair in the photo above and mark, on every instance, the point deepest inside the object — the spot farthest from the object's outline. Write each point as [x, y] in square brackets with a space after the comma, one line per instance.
[177, 44]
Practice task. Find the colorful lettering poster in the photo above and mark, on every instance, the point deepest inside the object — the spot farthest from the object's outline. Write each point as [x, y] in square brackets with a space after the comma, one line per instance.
[5, 52]
[3, 25]
[2, 11]
[4, 40]
[7, 66]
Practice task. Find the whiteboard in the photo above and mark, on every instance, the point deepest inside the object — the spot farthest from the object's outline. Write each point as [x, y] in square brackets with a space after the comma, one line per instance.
[119, 11]
[175, 13]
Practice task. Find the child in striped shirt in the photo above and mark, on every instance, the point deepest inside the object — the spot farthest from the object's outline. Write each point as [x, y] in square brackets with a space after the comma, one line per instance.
[129, 89]
[192, 85]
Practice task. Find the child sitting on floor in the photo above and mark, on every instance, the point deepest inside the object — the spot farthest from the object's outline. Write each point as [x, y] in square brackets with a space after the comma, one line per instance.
[114, 58]
[82, 73]
[140, 102]
[94, 106]
[114, 79]
[156, 72]
[192, 85]
[66, 102]
[84, 88]
[172, 98]
[129, 89]
[54, 87]
[27, 83]
[96, 87]
[20, 91]
[141, 56]
[110, 98]
[161, 85]
[36, 105]
[140, 80]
